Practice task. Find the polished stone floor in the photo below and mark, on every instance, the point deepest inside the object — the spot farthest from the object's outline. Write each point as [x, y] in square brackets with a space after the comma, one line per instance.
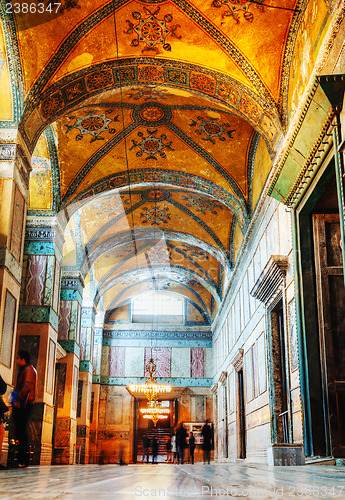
[169, 481]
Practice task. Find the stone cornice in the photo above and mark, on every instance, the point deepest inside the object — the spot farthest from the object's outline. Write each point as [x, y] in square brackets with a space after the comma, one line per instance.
[271, 278]
[237, 360]
[222, 377]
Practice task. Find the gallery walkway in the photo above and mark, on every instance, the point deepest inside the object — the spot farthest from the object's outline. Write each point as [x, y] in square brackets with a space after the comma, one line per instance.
[165, 481]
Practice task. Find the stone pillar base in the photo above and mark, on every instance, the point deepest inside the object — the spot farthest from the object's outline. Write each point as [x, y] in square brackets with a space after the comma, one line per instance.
[286, 454]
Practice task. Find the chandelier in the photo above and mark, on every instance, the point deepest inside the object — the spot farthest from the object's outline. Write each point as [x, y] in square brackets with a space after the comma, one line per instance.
[151, 389]
[155, 413]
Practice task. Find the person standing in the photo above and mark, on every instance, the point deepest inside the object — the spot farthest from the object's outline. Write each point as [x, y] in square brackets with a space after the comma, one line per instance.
[155, 445]
[207, 434]
[3, 389]
[173, 448]
[146, 448]
[191, 442]
[24, 395]
[181, 442]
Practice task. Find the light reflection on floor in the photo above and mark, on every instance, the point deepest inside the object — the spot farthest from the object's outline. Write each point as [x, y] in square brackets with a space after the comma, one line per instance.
[168, 482]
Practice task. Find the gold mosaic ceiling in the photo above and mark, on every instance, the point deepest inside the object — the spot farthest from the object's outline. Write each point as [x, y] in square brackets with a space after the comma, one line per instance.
[153, 126]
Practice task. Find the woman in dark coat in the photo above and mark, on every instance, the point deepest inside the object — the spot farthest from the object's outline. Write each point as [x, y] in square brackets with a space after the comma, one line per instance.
[207, 434]
[181, 442]
[154, 449]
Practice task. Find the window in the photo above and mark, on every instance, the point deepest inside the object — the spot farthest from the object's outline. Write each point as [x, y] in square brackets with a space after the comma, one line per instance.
[160, 307]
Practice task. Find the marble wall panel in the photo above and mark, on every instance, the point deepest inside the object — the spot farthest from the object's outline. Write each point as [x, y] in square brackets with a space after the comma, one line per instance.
[197, 362]
[17, 224]
[49, 281]
[209, 362]
[35, 280]
[56, 287]
[105, 361]
[294, 360]
[161, 357]
[64, 319]
[8, 329]
[134, 365]
[116, 361]
[180, 362]
[61, 381]
[83, 341]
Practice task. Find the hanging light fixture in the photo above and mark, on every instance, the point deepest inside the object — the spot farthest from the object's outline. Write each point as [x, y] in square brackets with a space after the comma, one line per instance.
[155, 413]
[151, 389]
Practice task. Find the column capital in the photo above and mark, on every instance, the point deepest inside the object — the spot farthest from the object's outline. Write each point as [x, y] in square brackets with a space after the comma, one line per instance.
[44, 229]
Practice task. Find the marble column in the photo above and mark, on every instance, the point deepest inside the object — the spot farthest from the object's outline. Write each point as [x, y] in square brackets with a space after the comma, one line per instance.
[14, 184]
[66, 450]
[38, 322]
[95, 392]
[85, 380]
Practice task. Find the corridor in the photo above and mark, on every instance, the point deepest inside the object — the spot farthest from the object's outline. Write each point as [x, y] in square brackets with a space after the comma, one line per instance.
[90, 482]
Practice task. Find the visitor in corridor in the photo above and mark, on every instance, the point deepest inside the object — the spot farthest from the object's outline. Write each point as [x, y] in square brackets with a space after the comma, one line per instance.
[155, 445]
[207, 434]
[146, 448]
[191, 442]
[23, 398]
[3, 389]
[168, 450]
[181, 442]
[174, 448]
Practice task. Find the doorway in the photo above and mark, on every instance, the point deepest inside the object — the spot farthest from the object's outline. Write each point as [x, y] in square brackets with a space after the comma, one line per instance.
[280, 374]
[322, 306]
[241, 415]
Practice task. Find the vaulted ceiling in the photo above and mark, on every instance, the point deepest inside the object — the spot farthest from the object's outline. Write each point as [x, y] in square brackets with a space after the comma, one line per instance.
[153, 126]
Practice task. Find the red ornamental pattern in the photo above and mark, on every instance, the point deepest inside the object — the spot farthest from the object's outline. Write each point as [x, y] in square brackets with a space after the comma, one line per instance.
[151, 73]
[202, 83]
[116, 361]
[64, 319]
[197, 367]
[249, 108]
[161, 358]
[99, 80]
[35, 280]
[51, 105]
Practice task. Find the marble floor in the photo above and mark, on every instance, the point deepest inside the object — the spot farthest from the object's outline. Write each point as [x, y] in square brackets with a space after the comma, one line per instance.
[169, 481]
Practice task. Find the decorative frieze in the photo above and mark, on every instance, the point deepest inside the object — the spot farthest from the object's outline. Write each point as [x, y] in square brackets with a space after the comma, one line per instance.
[7, 152]
[156, 334]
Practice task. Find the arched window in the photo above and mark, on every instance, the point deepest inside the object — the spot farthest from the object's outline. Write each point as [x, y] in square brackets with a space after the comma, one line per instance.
[159, 307]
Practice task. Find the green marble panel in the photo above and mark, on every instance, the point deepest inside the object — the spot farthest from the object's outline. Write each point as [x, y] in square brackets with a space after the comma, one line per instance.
[38, 314]
[85, 366]
[134, 362]
[70, 346]
[180, 362]
[70, 294]
[209, 362]
[39, 248]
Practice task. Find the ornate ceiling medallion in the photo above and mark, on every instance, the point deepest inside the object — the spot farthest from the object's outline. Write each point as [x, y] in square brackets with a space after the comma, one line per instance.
[151, 145]
[203, 204]
[212, 129]
[92, 124]
[237, 6]
[155, 195]
[155, 215]
[152, 114]
[152, 31]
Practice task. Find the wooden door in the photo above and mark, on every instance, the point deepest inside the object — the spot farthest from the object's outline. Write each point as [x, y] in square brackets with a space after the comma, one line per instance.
[331, 319]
